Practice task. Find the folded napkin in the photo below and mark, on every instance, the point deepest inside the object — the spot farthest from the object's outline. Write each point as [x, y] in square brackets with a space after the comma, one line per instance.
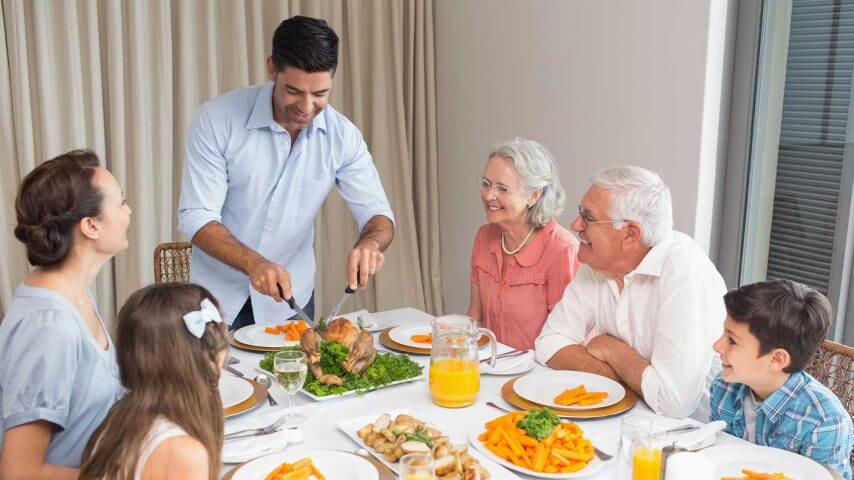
[689, 466]
[506, 366]
[247, 448]
[369, 321]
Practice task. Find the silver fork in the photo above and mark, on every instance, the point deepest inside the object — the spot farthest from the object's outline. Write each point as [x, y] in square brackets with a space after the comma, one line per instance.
[599, 453]
[256, 431]
[510, 354]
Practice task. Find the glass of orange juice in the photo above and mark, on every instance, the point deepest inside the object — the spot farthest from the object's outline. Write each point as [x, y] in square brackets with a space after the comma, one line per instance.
[417, 466]
[454, 362]
[646, 455]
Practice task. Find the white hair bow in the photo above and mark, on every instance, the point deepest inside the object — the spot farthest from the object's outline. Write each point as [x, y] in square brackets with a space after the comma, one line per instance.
[196, 320]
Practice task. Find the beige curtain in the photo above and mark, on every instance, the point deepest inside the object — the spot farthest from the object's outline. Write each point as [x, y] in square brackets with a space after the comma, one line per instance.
[124, 78]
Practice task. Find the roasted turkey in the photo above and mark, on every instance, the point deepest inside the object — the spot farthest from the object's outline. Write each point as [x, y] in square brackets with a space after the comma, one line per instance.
[359, 343]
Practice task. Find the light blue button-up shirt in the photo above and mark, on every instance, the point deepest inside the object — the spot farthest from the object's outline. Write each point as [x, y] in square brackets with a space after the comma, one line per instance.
[240, 169]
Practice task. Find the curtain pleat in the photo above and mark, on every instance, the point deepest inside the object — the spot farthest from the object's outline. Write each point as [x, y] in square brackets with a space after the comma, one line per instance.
[124, 77]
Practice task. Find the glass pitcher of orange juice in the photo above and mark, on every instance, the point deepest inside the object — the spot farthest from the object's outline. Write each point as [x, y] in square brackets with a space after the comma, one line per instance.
[454, 362]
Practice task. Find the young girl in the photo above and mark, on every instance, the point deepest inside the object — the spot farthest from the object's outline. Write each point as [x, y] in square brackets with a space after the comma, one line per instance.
[58, 371]
[171, 344]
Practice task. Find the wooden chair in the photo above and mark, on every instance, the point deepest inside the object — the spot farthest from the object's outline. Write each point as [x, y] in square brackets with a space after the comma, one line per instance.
[172, 262]
[833, 365]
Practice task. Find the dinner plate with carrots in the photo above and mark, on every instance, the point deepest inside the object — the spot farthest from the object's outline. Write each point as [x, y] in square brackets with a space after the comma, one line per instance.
[271, 336]
[537, 443]
[569, 390]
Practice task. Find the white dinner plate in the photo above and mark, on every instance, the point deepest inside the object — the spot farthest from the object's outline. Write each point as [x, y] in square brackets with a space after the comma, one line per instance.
[233, 390]
[729, 460]
[592, 467]
[331, 463]
[351, 427]
[543, 387]
[402, 334]
[254, 335]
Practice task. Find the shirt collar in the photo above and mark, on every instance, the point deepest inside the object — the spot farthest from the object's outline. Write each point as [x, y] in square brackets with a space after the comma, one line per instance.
[654, 259]
[262, 113]
[776, 403]
[533, 251]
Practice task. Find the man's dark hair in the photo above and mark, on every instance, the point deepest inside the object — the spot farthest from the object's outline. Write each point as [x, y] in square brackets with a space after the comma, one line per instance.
[305, 43]
[782, 314]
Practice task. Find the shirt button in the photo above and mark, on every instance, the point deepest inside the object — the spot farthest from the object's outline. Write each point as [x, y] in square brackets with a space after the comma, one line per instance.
[268, 229]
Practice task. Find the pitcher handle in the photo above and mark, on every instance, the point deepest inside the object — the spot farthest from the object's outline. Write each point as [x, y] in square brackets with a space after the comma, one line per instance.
[493, 341]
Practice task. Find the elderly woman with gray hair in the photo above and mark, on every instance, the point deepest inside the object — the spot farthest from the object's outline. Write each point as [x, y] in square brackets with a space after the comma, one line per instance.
[522, 259]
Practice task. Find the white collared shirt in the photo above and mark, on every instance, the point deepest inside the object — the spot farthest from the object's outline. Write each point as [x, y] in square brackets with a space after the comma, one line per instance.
[241, 170]
[671, 311]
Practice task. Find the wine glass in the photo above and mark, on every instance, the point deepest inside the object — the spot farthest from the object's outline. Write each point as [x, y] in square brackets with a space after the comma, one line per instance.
[291, 369]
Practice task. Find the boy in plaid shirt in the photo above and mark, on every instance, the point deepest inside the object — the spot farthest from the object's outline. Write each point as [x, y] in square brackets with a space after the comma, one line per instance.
[771, 333]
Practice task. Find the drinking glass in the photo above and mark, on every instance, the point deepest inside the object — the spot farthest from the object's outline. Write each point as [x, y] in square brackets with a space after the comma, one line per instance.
[631, 428]
[646, 454]
[417, 466]
[291, 369]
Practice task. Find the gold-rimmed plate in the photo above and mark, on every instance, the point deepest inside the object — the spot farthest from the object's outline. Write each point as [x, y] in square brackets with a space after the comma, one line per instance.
[252, 348]
[388, 342]
[259, 393]
[384, 472]
[624, 405]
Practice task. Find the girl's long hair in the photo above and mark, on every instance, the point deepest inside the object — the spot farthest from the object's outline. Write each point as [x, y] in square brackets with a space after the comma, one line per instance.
[168, 373]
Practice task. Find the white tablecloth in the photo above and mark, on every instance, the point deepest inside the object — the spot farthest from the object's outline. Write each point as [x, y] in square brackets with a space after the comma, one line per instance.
[320, 430]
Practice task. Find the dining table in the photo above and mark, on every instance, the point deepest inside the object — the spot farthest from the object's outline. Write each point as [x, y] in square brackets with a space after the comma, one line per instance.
[320, 430]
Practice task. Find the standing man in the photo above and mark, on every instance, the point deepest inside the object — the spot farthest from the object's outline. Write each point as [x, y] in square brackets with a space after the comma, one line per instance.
[259, 163]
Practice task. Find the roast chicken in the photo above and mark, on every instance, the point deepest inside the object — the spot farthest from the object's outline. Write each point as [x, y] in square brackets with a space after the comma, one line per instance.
[359, 343]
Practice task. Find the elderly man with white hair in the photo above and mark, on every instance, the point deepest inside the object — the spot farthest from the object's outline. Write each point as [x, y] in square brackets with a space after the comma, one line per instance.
[646, 305]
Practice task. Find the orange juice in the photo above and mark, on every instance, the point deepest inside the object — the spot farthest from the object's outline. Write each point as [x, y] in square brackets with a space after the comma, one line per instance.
[646, 464]
[454, 382]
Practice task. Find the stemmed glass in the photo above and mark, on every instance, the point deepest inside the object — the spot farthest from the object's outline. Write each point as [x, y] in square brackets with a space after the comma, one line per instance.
[291, 369]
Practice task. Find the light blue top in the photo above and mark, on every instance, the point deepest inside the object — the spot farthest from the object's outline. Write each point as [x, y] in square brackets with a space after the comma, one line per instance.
[53, 369]
[240, 169]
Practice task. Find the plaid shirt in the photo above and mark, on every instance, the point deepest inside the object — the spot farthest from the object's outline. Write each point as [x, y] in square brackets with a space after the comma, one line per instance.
[802, 416]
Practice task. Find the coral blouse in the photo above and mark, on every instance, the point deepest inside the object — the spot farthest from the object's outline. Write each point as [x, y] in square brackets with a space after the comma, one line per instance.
[515, 307]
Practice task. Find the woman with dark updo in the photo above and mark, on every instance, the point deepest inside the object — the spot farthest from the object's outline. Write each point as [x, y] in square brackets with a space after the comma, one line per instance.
[58, 370]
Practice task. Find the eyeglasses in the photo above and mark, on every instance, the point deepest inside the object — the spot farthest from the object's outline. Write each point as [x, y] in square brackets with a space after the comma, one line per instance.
[485, 186]
[588, 220]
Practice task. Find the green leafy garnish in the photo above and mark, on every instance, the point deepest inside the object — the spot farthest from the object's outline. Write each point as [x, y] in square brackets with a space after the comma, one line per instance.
[387, 368]
[539, 423]
[420, 435]
[332, 356]
[266, 363]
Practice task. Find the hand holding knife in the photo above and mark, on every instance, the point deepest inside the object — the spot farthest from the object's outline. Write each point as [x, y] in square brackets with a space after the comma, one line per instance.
[293, 304]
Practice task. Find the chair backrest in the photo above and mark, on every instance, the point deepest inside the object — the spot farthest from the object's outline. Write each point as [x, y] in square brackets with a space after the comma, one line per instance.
[172, 262]
[833, 365]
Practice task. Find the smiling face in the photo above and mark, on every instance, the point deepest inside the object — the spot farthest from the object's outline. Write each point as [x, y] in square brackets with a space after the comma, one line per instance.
[740, 355]
[298, 96]
[505, 198]
[601, 245]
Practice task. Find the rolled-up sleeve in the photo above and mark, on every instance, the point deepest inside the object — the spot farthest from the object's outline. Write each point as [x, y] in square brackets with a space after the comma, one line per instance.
[571, 318]
[682, 352]
[359, 182]
[205, 179]
[37, 370]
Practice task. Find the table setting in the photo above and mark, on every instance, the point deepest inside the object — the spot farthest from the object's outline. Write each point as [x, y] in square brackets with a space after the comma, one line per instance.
[453, 414]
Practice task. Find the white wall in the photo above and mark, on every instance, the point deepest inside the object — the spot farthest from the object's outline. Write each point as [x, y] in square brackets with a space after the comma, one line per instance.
[598, 83]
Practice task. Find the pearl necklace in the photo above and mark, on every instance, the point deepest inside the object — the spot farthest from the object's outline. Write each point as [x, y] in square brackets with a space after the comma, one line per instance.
[513, 252]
